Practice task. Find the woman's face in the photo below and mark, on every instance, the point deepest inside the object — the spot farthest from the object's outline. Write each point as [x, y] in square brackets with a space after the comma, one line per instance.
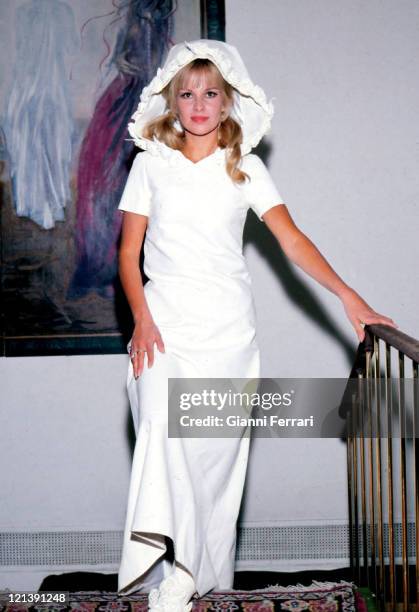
[199, 104]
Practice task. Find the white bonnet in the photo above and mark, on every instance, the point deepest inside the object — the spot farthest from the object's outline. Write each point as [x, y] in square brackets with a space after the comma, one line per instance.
[251, 108]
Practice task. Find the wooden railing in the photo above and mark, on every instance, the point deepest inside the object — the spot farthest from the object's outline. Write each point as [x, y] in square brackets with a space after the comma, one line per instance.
[383, 457]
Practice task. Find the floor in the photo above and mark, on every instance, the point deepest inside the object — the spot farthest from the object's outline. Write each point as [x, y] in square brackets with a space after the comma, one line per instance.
[92, 581]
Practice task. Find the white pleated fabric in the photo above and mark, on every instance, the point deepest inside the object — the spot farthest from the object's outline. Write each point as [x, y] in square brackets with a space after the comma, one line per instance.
[251, 108]
[199, 294]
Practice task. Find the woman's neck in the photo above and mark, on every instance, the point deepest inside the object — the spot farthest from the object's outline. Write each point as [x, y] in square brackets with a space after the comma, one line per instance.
[197, 148]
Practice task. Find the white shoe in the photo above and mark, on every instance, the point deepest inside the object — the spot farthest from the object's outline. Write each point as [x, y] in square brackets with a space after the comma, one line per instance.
[153, 598]
[170, 597]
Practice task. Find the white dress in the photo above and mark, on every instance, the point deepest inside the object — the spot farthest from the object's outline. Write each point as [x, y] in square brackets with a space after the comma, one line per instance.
[199, 295]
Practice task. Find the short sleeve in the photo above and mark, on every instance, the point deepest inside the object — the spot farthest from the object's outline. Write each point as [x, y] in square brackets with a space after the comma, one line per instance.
[136, 196]
[261, 192]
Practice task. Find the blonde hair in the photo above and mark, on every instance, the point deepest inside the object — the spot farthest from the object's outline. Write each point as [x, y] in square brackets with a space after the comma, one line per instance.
[229, 132]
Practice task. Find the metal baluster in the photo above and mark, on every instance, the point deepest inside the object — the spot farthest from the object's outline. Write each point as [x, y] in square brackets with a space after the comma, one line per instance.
[370, 371]
[403, 482]
[389, 402]
[363, 483]
[377, 373]
[356, 459]
[351, 484]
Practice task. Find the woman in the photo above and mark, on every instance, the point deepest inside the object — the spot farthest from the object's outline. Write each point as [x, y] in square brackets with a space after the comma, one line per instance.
[191, 188]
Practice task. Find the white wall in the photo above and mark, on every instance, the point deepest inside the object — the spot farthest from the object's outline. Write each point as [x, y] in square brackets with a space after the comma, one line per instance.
[64, 442]
[343, 151]
[344, 155]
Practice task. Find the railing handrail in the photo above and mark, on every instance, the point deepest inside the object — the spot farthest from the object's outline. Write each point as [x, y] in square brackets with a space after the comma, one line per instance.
[397, 339]
[382, 474]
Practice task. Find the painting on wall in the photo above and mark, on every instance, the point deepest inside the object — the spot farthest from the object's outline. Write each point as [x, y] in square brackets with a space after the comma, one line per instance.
[72, 75]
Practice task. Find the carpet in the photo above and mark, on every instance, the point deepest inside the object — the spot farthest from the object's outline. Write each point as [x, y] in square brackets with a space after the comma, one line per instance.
[318, 597]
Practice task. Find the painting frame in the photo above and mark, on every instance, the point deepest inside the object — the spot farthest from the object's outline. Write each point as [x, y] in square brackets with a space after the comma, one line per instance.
[17, 342]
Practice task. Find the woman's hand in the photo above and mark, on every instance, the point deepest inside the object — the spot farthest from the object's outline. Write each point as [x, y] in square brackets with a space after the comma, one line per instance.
[360, 313]
[145, 334]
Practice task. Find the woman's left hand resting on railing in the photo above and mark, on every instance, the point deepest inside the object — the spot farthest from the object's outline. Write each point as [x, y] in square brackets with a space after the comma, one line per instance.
[301, 251]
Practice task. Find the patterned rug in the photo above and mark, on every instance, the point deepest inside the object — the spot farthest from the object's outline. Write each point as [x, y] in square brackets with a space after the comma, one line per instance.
[318, 597]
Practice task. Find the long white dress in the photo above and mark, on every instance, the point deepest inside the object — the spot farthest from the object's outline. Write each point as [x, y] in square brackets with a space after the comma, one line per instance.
[199, 295]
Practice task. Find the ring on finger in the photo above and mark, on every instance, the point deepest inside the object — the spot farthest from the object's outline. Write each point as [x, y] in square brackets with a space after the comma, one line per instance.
[138, 351]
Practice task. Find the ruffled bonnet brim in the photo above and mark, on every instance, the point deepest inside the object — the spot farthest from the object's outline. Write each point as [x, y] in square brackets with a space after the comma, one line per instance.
[251, 108]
